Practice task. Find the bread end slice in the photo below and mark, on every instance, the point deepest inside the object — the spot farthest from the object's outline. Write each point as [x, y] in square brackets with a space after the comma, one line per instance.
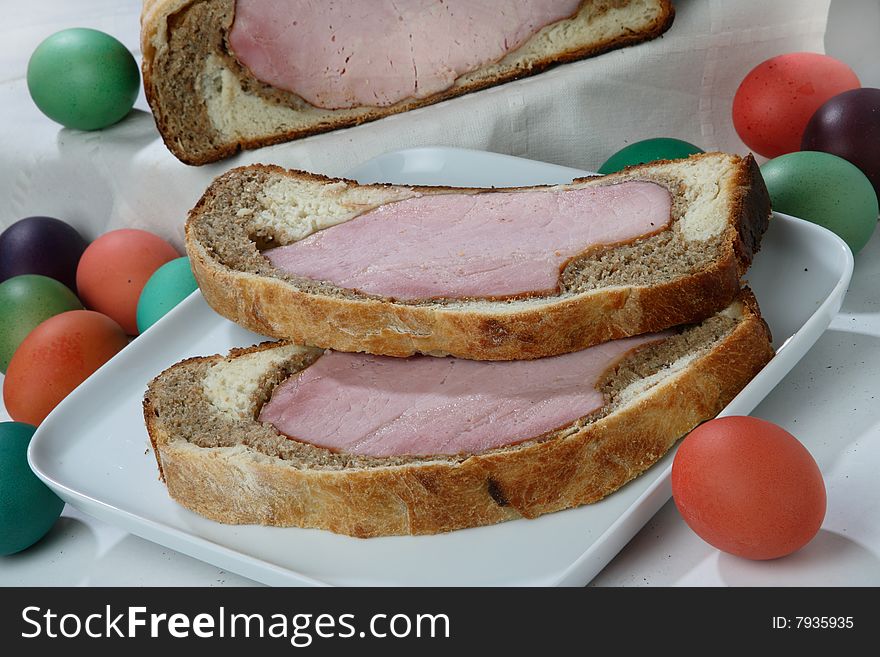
[218, 461]
[208, 107]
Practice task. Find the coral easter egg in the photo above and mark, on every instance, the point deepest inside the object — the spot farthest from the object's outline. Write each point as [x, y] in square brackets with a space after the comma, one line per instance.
[114, 269]
[748, 487]
[25, 302]
[55, 358]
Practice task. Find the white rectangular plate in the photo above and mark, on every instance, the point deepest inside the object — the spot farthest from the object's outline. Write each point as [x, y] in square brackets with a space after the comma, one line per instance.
[93, 449]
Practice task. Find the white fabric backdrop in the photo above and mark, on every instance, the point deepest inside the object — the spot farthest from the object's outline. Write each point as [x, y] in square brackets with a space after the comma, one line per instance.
[679, 86]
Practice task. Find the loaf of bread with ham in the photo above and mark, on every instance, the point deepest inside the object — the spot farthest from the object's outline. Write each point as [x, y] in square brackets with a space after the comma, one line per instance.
[225, 75]
[365, 445]
[501, 274]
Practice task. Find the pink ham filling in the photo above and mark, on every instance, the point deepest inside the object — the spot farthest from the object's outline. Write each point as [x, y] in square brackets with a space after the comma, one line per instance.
[381, 406]
[347, 53]
[474, 246]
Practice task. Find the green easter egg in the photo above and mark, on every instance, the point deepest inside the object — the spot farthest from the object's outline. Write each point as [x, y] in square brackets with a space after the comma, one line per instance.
[25, 301]
[83, 79]
[826, 190]
[648, 150]
[28, 509]
[167, 287]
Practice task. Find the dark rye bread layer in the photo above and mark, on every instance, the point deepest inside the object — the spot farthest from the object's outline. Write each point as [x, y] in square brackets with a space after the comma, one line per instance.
[179, 36]
[652, 283]
[234, 469]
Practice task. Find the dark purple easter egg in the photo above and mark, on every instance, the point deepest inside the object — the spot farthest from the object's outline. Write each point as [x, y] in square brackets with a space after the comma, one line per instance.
[848, 125]
[41, 245]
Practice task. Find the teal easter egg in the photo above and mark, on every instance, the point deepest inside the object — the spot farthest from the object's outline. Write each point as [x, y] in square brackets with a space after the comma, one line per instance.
[168, 286]
[826, 190]
[28, 509]
[83, 79]
[648, 150]
[25, 301]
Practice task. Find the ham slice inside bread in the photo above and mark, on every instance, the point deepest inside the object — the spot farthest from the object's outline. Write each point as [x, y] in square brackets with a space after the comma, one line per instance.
[419, 406]
[339, 54]
[503, 244]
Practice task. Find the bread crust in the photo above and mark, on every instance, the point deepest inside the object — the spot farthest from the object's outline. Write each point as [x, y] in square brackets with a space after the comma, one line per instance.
[155, 27]
[239, 485]
[275, 307]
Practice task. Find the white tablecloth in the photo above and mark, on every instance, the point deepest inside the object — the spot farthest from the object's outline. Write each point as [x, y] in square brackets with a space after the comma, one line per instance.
[576, 115]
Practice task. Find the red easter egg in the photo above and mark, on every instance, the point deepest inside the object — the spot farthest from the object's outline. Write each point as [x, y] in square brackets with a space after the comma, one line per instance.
[748, 487]
[776, 99]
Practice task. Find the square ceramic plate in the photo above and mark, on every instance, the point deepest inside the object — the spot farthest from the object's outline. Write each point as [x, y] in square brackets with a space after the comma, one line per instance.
[93, 448]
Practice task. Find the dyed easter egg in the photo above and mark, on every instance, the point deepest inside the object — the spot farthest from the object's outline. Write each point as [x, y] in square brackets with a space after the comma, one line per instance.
[114, 269]
[25, 301]
[28, 509]
[826, 190]
[83, 79]
[41, 245]
[848, 126]
[168, 286]
[55, 358]
[648, 150]
[748, 487]
[776, 99]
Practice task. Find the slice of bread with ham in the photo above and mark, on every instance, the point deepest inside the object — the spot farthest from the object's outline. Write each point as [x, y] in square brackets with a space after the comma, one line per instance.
[502, 274]
[225, 75]
[285, 435]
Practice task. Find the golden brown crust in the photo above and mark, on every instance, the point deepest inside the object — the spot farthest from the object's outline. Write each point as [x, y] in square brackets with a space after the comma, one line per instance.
[276, 308]
[238, 485]
[154, 20]
[752, 212]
